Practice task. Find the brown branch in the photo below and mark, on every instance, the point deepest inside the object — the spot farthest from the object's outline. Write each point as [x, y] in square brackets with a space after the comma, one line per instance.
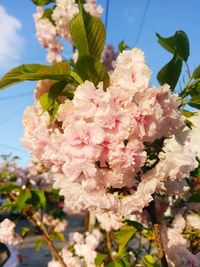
[45, 236]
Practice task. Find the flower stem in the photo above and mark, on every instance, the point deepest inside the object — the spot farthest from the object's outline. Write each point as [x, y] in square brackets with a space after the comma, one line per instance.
[109, 239]
[157, 233]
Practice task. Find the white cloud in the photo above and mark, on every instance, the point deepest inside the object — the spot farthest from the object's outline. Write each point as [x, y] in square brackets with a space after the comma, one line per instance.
[11, 42]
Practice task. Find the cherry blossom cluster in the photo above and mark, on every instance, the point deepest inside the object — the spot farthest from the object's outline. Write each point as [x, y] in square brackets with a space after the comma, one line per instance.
[50, 221]
[100, 144]
[84, 250]
[7, 233]
[49, 31]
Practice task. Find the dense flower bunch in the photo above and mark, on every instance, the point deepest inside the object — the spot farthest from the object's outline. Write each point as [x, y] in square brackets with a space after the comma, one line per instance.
[100, 144]
[84, 247]
[7, 233]
[49, 31]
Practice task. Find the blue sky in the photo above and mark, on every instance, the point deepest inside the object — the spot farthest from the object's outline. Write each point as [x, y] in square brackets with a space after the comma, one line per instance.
[19, 45]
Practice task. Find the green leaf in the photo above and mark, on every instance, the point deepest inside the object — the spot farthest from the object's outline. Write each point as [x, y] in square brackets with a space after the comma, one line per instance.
[23, 197]
[195, 198]
[149, 261]
[49, 104]
[88, 34]
[123, 236]
[38, 244]
[9, 187]
[60, 236]
[100, 258]
[177, 44]
[170, 73]
[92, 70]
[195, 101]
[42, 2]
[33, 72]
[56, 89]
[196, 73]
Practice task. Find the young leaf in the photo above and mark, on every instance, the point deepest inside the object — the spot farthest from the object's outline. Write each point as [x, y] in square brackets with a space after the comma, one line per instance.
[192, 89]
[60, 236]
[88, 34]
[195, 101]
[92, 70]
[170, 73]
[38, 244]
[25, 231]
[42, 2]
[122, 46]
[196, 73]
[33, 72]
[123, 236]
[177, 44]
